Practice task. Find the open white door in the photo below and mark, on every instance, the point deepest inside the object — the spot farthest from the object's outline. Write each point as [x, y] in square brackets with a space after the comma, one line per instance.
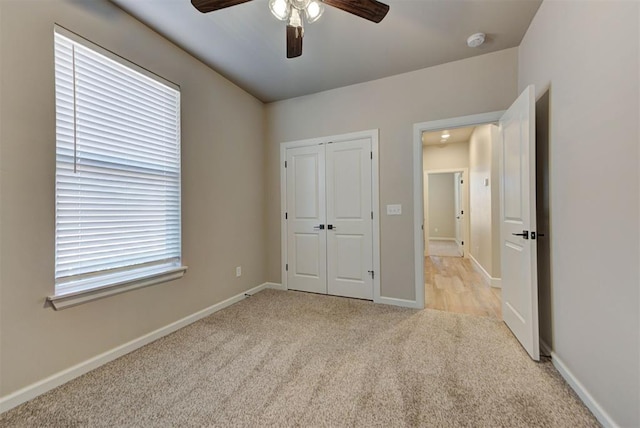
[518, 222]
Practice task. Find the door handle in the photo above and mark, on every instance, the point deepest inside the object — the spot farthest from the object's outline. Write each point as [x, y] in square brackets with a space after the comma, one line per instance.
[331, 227]
[319, 227]
[524, 234]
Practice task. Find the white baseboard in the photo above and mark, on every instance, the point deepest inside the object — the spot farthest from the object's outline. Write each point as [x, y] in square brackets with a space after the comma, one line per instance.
[494, 282]
[274, 286]
[399, 302]
[442, 239]
[27, 393]
[601, 415]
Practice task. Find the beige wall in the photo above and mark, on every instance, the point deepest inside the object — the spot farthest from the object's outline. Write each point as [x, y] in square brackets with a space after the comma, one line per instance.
[441, 206]
[476, 85]
[222, 192]
[495, 184]
[480, 197]
[448, 156]
[586, 54]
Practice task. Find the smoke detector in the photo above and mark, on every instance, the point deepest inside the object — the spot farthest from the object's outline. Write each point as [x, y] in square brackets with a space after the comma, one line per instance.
[475, 40]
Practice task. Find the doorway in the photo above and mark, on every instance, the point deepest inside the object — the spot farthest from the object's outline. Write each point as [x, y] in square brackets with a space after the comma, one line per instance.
[418, 130]
[445, 204]
[458, 221]
[518, 234]
[330, 230]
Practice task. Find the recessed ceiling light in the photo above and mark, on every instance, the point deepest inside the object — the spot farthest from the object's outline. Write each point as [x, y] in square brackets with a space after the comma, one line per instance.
[445, 134]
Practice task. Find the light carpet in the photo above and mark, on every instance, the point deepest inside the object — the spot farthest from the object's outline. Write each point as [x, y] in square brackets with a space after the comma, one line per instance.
[295, 359]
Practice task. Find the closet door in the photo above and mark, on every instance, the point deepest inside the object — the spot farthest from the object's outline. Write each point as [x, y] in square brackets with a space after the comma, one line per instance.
[306, 214]
[349, 223]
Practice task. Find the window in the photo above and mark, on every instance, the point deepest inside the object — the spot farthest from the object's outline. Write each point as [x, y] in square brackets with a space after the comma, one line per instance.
[117, 173]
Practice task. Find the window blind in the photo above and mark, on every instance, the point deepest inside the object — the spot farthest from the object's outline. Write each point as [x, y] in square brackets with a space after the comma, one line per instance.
[117, 168]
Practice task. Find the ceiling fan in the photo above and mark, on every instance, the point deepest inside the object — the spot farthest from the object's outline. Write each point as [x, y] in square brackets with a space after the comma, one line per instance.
[293, 11]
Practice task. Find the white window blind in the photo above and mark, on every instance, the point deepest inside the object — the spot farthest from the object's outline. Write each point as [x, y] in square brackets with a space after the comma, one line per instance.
[117, 169]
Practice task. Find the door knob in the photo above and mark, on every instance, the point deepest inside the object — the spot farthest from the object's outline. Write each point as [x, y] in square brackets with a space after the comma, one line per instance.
[331, 227]
[524, 234]
[319, 227]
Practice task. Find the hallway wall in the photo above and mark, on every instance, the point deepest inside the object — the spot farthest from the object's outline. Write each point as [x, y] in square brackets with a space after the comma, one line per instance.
[441, 203]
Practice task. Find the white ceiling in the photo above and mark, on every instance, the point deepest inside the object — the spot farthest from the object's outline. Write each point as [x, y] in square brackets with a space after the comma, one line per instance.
[246, 43]
[457, 135]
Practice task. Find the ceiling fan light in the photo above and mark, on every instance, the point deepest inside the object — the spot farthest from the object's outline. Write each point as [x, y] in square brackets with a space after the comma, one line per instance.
[300, 4]
[314, 11]
[295, 20]
[280, 9]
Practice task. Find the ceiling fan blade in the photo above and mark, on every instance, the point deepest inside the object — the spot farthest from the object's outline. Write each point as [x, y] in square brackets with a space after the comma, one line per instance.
[205, 6]
[294, 41]
[368, 9]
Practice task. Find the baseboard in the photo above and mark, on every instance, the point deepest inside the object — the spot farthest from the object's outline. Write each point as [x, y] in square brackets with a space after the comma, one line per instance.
[399, 302]
[442, 239]
[545, 348]
[494, 282]
[29, 392]
[274, 286]
[601, 415]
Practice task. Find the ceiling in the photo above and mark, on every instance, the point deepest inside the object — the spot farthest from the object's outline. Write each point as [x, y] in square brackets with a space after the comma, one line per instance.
[246, 44]
[457, 135]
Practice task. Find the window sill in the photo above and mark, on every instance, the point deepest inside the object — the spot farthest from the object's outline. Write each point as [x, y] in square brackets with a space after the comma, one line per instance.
[74, 297]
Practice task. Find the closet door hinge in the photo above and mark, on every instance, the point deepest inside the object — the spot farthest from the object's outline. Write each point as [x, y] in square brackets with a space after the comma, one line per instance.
[372, 273]
[285, 164]
[286, 216]
[371, 155]
[286, 267]
[371, 215]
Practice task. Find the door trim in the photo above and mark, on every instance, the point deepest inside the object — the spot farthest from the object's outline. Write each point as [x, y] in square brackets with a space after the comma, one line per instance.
[375, 198]
[418, 191]
[465, 208]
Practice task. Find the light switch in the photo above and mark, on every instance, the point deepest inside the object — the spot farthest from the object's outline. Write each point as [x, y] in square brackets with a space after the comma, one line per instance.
[394, 209]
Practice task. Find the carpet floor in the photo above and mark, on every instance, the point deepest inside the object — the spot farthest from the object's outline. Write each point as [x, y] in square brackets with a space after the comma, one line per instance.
[295, 359]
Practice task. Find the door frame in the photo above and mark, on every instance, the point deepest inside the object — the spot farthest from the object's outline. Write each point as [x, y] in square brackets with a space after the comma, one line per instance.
[418, 191]
[465, 207]
[373, 134]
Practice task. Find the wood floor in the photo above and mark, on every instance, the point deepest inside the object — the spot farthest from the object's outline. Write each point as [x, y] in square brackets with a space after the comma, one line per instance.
[453, 285]
[444, 248]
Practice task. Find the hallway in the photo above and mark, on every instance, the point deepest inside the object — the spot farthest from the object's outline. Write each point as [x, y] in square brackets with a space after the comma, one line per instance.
[453, 285]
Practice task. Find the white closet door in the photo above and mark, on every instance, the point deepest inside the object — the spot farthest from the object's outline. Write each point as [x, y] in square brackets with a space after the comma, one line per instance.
[306, 213]
[349, 224]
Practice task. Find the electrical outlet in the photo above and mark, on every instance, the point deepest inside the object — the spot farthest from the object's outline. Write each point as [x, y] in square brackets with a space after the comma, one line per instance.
[238, 271]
